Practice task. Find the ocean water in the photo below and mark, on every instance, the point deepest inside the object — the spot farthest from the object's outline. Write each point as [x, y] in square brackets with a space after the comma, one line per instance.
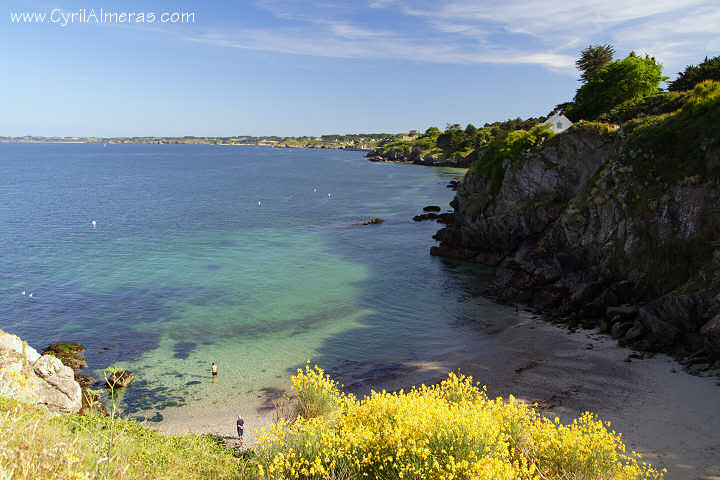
[243, 256]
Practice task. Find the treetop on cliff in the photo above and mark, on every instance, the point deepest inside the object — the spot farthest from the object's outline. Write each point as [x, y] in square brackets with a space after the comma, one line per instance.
[593, 59]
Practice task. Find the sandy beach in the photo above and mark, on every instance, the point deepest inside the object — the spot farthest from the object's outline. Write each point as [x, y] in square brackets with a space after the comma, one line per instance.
[669, 416]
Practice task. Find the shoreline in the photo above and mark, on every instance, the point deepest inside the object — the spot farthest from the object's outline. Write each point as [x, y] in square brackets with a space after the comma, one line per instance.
[668, 415]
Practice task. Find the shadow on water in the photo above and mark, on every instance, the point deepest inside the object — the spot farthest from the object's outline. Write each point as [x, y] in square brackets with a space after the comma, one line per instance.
[424, 309]
[113, 326]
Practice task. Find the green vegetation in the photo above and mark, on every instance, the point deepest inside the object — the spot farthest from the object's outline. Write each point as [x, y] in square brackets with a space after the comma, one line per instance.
[707, 70]
[618, 82]
[455, 142]
[364, 141]
[593, 59]
[668, 263]
[449, 431]
[655, 104]
[34, 445]
[517, 144]
[673, 146]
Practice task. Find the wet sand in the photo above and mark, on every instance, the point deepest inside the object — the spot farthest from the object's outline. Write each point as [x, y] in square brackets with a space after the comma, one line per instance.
[671, 417]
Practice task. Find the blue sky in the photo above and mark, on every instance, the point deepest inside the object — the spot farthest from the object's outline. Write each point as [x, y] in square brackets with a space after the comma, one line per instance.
[300, 67]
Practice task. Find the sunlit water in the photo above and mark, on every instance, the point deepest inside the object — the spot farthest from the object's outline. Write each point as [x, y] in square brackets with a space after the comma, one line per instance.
[242, 256]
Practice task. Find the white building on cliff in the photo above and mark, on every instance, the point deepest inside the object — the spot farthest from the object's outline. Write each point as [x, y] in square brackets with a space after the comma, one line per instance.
[557, 122]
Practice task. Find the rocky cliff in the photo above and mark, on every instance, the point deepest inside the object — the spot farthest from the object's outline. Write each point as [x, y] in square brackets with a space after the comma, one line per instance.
[579, 232]
[39, 379]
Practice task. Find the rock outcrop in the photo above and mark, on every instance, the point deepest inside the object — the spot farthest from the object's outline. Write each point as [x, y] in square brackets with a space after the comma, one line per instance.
[53, 383]
[420, 156]
[576, 233]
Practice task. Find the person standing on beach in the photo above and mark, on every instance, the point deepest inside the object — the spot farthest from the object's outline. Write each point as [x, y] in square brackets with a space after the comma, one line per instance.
[213, 369]
[240, 427]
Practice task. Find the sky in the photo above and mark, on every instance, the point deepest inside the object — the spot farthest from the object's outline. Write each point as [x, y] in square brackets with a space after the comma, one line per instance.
[313, 67]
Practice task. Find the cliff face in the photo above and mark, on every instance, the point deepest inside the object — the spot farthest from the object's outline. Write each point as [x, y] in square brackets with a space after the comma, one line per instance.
[575, 232]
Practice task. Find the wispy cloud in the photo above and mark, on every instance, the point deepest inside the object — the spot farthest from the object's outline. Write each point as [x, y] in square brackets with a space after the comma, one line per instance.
[548, 33]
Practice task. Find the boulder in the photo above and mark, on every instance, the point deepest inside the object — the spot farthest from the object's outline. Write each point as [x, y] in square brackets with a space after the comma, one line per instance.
[52, 382]
[55, 384]
[431, 208]
[120, 379]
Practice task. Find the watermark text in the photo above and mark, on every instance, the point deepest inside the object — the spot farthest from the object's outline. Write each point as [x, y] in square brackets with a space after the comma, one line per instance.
[66, 18]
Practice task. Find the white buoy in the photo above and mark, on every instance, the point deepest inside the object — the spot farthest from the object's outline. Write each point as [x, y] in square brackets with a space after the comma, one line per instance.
[328, 194]
[29, 295]
[22, 293]
[93, 223]
[314, 189]
[259, 203]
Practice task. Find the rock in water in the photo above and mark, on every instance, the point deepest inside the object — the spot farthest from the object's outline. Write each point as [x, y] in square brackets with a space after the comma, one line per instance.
[432, 208]
[120, 379]
[425, 216]
[70, 354]
[372, 221]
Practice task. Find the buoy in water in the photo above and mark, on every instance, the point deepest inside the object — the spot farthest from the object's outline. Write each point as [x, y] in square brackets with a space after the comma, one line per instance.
[93, 223]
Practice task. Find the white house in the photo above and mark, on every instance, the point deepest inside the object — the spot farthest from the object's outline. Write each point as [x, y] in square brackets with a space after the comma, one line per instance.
[558, 123]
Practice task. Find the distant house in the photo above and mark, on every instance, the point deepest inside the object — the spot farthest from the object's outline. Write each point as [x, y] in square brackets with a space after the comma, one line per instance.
[557, 122]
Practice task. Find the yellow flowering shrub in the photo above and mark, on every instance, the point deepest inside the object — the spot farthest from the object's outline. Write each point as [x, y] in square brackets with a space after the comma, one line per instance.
[449, 431]
[13, 384]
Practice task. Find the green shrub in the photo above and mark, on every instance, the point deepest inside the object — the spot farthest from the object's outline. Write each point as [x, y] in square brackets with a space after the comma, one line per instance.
[673, 146]
[618, 82]
[707, 70]
[655, 104]
[503, 148]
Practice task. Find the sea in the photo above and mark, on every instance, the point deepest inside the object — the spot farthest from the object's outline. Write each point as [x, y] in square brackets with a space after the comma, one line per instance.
[162, 259]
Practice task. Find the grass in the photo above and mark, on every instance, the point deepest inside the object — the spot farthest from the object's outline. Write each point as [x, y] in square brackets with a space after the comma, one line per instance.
[35, 445]
[672, 146]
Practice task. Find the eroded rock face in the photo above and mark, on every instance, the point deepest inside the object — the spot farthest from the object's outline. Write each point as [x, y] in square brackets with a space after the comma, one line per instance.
[53, 382]
[711, 337]
[558, 225]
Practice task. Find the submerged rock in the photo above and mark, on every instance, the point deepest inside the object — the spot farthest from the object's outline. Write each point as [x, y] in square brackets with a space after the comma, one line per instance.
[70, 354]
[372, 221]
[120, 379]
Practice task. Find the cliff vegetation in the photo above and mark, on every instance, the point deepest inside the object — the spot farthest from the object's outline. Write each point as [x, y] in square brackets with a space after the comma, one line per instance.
[614, 222]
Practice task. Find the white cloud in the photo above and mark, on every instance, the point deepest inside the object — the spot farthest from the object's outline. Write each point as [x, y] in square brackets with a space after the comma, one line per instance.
[549, 33]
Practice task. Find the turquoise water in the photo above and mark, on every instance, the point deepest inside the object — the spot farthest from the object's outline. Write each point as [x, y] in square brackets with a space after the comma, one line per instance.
[184, 267]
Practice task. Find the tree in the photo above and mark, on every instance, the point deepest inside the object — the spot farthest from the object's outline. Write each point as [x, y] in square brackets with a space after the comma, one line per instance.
[593, 59]
[619, 81]
[707, 70]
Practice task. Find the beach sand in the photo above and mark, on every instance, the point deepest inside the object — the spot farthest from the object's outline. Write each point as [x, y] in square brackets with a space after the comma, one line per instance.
[669, 416]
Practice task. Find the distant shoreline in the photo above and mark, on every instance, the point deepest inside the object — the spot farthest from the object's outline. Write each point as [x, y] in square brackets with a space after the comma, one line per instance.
[364, 142]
